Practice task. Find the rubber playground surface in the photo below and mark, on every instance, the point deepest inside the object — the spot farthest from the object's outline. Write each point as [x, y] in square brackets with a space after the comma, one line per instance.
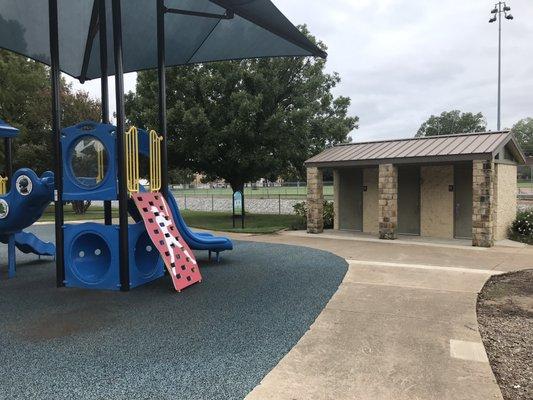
[215, 340]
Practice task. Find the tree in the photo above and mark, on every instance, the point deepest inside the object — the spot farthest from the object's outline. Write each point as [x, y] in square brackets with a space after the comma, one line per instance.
[181, 176]
[523, 131]
[245, 120]
[25, 102]
[451, 122]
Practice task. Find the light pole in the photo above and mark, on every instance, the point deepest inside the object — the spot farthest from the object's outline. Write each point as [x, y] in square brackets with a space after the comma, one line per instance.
[499, 8]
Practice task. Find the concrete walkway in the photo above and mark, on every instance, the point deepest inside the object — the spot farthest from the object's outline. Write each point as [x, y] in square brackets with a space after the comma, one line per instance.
[402, 325]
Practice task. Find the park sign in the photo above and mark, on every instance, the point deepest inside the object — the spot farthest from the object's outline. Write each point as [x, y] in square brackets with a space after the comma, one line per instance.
[238, 207]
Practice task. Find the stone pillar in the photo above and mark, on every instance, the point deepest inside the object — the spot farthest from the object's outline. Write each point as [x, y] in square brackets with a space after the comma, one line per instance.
[315, 200]
[483, 203]
[388, 201]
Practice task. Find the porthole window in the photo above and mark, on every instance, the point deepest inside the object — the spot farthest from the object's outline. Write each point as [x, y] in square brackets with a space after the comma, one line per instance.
[88, 161]
[4, 209]
[24, 185]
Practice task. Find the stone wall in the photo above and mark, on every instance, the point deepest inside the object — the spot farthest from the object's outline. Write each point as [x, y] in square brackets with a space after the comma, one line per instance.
[483, 203]
[436, 201]
[505, 192]
[388, 201]
[315, 200]
[370, 200]
[252, 204]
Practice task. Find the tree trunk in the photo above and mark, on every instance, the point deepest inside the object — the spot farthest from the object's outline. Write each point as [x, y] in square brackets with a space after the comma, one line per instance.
[80, 206]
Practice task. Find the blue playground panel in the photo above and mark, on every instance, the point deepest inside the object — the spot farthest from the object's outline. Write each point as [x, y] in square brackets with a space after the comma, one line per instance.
[91, 256]
[84, 188]
[26, 200]
[145, 263]
[24, 204]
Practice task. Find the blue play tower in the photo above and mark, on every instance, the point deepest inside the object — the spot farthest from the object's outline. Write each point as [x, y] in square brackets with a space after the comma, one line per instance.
[89, 151]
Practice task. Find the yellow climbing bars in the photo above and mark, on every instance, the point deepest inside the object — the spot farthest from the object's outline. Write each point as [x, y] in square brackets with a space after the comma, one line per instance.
[155, 161]
[100, 160]
[3, 185]
[132, 159]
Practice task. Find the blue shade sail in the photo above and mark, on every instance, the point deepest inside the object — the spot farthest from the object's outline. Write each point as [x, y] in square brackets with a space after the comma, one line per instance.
[7, 130]
[257, 29]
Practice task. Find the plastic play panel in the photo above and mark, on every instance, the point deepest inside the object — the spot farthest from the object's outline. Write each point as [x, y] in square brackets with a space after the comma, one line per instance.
[178, 257]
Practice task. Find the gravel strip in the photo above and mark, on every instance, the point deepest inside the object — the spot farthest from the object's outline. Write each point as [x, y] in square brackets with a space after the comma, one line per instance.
[505, 316]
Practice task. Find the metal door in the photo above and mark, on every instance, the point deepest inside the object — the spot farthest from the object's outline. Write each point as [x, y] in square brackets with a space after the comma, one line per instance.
[462, 178]
[358, 199]
[409, 200]
[351, 199]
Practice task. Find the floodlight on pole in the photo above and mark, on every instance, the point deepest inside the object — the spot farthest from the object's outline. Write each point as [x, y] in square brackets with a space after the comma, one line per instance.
[500, 8]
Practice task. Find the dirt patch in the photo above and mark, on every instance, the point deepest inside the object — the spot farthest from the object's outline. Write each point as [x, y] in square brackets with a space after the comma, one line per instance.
[505, 316]
[82, 320]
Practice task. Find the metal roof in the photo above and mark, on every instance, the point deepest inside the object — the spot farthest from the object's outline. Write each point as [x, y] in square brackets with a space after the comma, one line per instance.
[465, 146]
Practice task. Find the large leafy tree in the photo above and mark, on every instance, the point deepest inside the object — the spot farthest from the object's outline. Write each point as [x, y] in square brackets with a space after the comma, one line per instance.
[245, 120]
[523, 131]
[25, 102]
[450, 122]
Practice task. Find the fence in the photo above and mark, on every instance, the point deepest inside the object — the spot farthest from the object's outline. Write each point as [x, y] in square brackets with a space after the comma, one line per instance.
[273, 199]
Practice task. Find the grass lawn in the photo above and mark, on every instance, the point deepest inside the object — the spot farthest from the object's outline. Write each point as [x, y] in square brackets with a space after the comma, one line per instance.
[93, 213]
[525, 184]
[253, 223]
[217, 221]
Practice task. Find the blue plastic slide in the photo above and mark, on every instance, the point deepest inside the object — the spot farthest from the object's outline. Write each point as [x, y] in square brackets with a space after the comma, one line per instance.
[195, 240]
[27, 242]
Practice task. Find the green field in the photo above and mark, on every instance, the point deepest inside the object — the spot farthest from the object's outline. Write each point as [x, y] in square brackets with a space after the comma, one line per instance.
[93, 213]
[217, 221]
[253, 223]
[525, 185]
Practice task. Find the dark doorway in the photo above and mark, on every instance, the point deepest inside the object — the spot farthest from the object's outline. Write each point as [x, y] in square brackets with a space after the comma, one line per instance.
[462, 180]
[351, 199]
[409, 200]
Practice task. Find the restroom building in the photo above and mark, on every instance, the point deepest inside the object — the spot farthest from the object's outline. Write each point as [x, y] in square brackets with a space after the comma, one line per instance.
[453, 186]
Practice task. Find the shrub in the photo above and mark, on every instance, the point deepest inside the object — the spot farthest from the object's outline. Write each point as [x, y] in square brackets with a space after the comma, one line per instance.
[522, 228]
[328, 214]
[300, 209]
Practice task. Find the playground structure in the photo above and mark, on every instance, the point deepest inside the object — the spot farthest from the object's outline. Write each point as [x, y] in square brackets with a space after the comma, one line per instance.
[91, 249]
[22, 204]
[104, 167]
[155, 240]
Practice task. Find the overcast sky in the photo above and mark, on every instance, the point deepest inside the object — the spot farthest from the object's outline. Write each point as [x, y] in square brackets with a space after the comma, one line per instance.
[401, 61]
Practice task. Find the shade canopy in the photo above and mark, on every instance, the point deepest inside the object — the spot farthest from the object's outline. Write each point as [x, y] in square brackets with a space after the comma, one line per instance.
[7, 131]
[245, 29]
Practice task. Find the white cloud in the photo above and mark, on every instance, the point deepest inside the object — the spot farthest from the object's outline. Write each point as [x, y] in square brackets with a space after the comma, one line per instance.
[401, 61]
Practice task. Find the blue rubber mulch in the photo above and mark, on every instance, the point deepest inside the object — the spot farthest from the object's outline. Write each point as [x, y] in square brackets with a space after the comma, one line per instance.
[215, 340]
